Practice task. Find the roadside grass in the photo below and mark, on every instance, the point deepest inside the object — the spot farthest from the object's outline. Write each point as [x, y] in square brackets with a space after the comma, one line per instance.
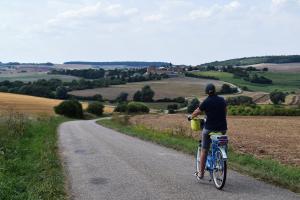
[265, 169]
[279, 79]
[30, 167]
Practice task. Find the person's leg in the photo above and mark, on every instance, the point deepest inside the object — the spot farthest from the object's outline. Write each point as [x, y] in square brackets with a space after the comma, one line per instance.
[204, 150]
[203, 157]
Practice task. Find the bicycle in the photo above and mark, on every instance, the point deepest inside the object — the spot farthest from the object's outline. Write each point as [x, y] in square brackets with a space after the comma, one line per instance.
[216, 162]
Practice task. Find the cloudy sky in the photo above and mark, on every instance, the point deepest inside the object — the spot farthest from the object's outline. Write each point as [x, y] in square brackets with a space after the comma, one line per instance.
[177, 31]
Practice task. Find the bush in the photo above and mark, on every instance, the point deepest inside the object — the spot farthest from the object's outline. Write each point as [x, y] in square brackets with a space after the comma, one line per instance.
[95, 108]
[179, 99]
[122, 97]
[263, 110]
[240, 100]
[172, 106]
[193, 105]
[147, 94]
[277, 97]
[70, 108]
[137, 96]
[121, 107]
[171, 111]
[135, 107]
[226, 89]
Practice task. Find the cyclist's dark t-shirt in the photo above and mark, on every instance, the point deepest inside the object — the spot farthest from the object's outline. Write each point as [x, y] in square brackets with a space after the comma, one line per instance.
[214, 108]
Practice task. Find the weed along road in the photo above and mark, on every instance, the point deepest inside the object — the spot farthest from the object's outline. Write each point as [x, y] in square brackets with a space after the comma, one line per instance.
[104, 164]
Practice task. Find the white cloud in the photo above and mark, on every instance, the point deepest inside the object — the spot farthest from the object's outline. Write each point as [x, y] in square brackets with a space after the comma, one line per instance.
[231, 6]
[104, 11]
[216, 9]
[153, 18]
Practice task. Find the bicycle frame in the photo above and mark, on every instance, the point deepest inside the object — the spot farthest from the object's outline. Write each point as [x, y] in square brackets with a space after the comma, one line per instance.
[218, 143]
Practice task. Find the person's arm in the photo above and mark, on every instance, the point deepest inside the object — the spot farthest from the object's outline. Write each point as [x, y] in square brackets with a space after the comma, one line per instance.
[196, 113]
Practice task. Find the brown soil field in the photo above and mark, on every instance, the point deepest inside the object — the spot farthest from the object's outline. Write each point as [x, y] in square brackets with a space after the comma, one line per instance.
[285, 67]
[171, 88]
[265, 137]
[33, 105]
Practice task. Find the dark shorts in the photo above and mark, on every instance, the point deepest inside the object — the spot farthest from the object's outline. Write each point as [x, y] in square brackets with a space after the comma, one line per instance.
[205, 142]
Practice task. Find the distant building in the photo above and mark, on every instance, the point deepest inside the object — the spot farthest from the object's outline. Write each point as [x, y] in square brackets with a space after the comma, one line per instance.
[151, 70]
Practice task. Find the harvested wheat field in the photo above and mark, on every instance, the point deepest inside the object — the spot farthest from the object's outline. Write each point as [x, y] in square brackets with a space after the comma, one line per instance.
[33, 105]
[171, 88]
[273, 137]
[27, 104]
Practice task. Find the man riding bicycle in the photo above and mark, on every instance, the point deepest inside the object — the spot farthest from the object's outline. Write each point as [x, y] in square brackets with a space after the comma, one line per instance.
[215, 109]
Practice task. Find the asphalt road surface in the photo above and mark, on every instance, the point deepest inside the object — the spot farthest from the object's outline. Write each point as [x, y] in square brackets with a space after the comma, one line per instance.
[104, 164]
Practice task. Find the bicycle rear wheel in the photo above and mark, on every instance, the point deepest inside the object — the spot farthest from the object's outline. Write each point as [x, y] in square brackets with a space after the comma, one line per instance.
[220, 170]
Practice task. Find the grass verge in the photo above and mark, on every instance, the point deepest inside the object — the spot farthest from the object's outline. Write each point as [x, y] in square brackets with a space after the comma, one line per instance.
[30, 167]
[268, 170]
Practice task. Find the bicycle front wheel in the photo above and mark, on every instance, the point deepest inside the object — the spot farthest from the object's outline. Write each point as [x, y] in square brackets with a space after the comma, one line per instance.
[220, 170]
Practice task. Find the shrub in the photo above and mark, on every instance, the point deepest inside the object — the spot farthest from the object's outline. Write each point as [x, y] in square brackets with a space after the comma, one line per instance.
[171, 111]
[240, 100]
[135, 107]
[193, 105]
[70, 108]
[121, 107]
[147, 94]
[277, 97]
[95, 108]
[263, 110]
[179, 99]
[122, 97]
[172, 106]
[137, 96]
[226, 89]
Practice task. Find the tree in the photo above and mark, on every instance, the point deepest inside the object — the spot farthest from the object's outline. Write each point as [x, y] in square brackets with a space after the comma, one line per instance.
[95, 108]
[122, 97]
[61, 92]
[277, 97]
[147, 94]
[193, 105]
[137, 96]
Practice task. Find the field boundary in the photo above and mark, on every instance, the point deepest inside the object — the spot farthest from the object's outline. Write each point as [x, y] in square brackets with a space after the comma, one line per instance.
[263, 169]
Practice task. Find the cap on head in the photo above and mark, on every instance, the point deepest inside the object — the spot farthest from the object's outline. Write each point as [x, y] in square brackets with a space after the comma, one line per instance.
[210, 89]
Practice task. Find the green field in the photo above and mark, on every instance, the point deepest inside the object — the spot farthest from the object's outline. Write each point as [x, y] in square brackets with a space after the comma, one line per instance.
[27, 77]
[283, 81]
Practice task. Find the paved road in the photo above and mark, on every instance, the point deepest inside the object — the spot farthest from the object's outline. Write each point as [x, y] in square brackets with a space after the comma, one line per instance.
[104, 164]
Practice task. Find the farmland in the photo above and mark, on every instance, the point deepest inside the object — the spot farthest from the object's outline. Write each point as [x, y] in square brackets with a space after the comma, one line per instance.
[171, 88]
[280, 80]
[264, 137]
[285, 67]
[31, 105]
[34, 76]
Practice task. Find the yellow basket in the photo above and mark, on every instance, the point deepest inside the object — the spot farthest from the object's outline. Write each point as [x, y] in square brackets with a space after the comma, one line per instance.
[195, 124]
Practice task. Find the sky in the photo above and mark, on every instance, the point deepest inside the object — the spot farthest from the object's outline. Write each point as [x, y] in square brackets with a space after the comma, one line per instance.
[176, 31]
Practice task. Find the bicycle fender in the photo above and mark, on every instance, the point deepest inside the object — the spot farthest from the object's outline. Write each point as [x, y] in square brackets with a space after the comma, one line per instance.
[224, 154]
